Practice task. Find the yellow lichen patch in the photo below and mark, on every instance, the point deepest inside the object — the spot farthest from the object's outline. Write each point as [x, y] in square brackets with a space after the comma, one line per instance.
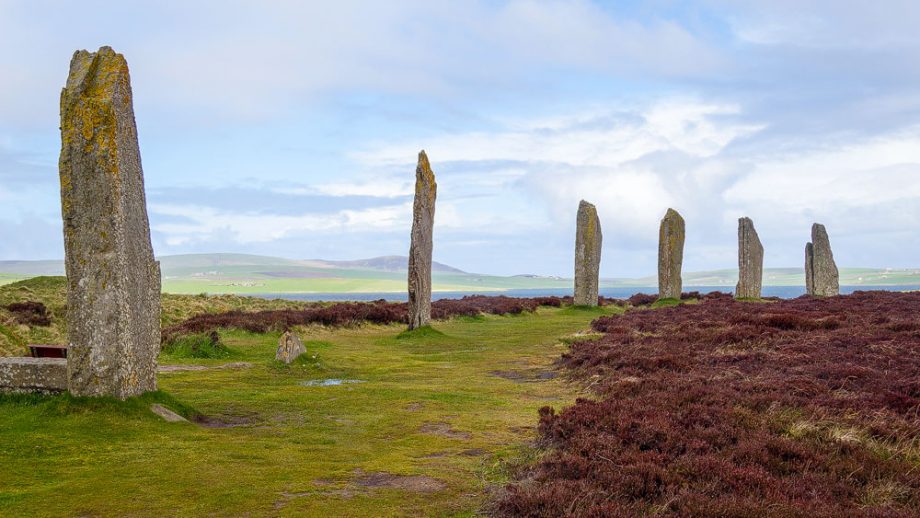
[88, 111]
[424, 179]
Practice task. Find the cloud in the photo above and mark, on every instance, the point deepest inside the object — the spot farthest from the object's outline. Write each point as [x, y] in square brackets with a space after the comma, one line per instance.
[247, 61]
[189, 223]
[826, 23]
[633, 164]
[292, 128]
[695, 156]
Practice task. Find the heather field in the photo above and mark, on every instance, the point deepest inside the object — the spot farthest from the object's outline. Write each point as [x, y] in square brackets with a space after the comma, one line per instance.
[701, 407]
[805, 407]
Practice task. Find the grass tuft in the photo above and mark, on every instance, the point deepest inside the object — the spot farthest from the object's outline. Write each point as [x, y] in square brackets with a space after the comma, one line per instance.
[199, 345]
[420, 333]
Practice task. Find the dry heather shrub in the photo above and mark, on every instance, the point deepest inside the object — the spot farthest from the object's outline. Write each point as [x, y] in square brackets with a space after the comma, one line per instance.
[805, 407]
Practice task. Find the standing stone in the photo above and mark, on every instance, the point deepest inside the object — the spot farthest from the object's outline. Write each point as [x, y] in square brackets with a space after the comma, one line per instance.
[820, 266]
[670, 255]
[289, 347]
[113, 281]
[588, 239]
[750, 261]
[426, 191]
[809, 268]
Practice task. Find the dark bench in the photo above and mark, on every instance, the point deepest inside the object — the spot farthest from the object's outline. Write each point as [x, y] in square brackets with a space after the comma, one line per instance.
[48, 351]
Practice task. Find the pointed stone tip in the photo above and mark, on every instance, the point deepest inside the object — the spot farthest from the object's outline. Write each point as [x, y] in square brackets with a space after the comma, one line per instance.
[585, 204]
[423, 160]
[817, 230]
[672, 214]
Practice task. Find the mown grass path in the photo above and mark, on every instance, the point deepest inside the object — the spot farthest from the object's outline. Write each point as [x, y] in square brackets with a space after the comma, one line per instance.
[426, 432]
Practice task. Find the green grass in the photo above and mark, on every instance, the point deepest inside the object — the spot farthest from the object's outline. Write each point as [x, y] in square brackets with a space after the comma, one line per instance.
[663, 303]
[8, 278]
[52, 292]
[429, 403]
[198, 345]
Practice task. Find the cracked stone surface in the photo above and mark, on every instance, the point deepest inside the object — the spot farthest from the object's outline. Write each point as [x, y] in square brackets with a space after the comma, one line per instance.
[588, 242]
[420, 249]
[671, 236]
[750, 261]
[289, 347]
[113, 291]
[821, 276]
[26, 374]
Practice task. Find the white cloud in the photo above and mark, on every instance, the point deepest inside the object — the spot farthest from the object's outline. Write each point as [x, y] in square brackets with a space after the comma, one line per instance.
[606, 157]
[256, 227]
[391, 188]
[588, 140]
[678, 153]
[825, 23]
[210, 61]
[870, 172]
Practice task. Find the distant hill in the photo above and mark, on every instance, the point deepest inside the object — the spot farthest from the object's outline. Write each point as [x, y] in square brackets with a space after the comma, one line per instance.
[245, 273]
[32, 268]
[389, 263]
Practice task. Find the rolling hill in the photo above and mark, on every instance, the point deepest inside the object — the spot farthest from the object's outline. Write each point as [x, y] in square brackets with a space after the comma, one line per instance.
[243, 273]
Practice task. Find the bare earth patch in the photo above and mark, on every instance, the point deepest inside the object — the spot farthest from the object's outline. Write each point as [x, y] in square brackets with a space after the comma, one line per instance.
[224, 421]
[181, 368]
[525, 376]
[444, 430]
[415, 483]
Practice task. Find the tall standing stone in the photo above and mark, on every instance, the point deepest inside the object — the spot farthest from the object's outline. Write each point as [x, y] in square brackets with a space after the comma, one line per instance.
[809, 268]
[750, 261]
[820, 265]
[113, 281]
[671, 236]
[426, 191]
[588, 240]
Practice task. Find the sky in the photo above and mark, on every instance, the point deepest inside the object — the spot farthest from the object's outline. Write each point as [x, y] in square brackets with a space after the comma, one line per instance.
[293, 128]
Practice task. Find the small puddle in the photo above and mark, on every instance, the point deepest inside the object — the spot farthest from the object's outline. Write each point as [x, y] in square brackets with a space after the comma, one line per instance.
[328, 382]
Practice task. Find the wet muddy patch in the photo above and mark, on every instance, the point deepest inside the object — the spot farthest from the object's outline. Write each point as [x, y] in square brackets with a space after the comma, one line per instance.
[524, 376]
[332, 382]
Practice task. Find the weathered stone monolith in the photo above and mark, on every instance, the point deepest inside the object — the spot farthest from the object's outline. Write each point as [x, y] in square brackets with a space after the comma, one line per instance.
[113, 281]
[820, 266]
[750, 261]
[670, 255]
[289, 347]
[588, 240]
[426, 191]
[809, 268]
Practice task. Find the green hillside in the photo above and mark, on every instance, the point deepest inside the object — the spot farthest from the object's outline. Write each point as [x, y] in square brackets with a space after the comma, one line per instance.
[247, 274]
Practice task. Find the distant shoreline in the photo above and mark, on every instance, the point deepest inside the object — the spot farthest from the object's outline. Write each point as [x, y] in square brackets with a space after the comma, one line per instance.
[620, 292]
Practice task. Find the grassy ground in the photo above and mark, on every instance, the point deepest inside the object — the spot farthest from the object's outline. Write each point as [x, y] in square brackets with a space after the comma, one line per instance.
[7, 278]
[52, 292]
[427, 431]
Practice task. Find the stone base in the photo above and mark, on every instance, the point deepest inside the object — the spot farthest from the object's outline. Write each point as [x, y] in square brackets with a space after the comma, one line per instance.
[41, 375]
